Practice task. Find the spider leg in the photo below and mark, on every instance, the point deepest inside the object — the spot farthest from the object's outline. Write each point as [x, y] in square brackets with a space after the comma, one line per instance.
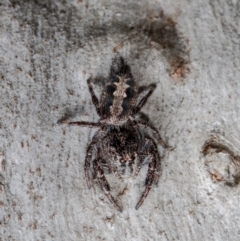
[156, 156]
[152, 148]
[139, 166]
[94, 97]
[148, 126]
[154, 169]
[87, 164]
[148, 182]
[95, 165]
[81, 123]
[88, 158]
[155, 132]
[143, 101]
[104, 185]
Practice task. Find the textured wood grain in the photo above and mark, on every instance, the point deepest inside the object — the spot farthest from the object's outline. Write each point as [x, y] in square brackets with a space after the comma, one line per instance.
[48, 50]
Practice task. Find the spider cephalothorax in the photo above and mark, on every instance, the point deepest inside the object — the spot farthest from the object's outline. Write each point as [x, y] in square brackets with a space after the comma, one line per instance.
[123, 139]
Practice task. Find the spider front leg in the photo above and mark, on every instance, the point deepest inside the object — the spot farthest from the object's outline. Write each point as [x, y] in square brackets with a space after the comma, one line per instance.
[149, 147]
[139, 106]
[87, 165]
[80, 123]
[104, 183]
[88, 158]
[155, 132]
[94, 97]
[143, 101]
[148, 126]
[96, 104]
[154, 168]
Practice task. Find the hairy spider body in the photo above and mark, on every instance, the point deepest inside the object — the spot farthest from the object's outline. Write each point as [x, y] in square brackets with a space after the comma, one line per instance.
[122, 139]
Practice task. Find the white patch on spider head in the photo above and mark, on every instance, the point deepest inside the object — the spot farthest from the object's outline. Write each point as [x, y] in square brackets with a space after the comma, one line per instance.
[119, 95]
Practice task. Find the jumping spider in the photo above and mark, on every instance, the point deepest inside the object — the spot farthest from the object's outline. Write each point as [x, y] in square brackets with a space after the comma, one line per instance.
[122, 139]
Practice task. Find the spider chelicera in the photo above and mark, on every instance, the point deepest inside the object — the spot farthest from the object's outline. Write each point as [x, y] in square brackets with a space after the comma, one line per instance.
[122, 139]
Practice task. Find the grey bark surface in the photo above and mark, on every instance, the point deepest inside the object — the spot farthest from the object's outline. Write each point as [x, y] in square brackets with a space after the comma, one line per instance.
[190, 49]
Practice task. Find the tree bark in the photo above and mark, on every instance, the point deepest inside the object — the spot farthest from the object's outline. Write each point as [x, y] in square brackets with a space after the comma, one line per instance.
[48, 50]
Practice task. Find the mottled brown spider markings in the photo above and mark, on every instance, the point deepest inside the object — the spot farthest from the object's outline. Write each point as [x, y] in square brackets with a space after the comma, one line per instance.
[123, 139]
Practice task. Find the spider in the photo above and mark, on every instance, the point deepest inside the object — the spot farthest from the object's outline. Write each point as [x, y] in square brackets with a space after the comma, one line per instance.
[122, 139]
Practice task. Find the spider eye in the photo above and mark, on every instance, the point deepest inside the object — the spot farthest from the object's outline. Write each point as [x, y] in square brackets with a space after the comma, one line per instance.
[130, 82]
[110, 89]
[108, 101]
[130, 93]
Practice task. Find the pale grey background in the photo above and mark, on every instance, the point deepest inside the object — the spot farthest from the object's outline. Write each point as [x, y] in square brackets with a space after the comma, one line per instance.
[48, 49]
